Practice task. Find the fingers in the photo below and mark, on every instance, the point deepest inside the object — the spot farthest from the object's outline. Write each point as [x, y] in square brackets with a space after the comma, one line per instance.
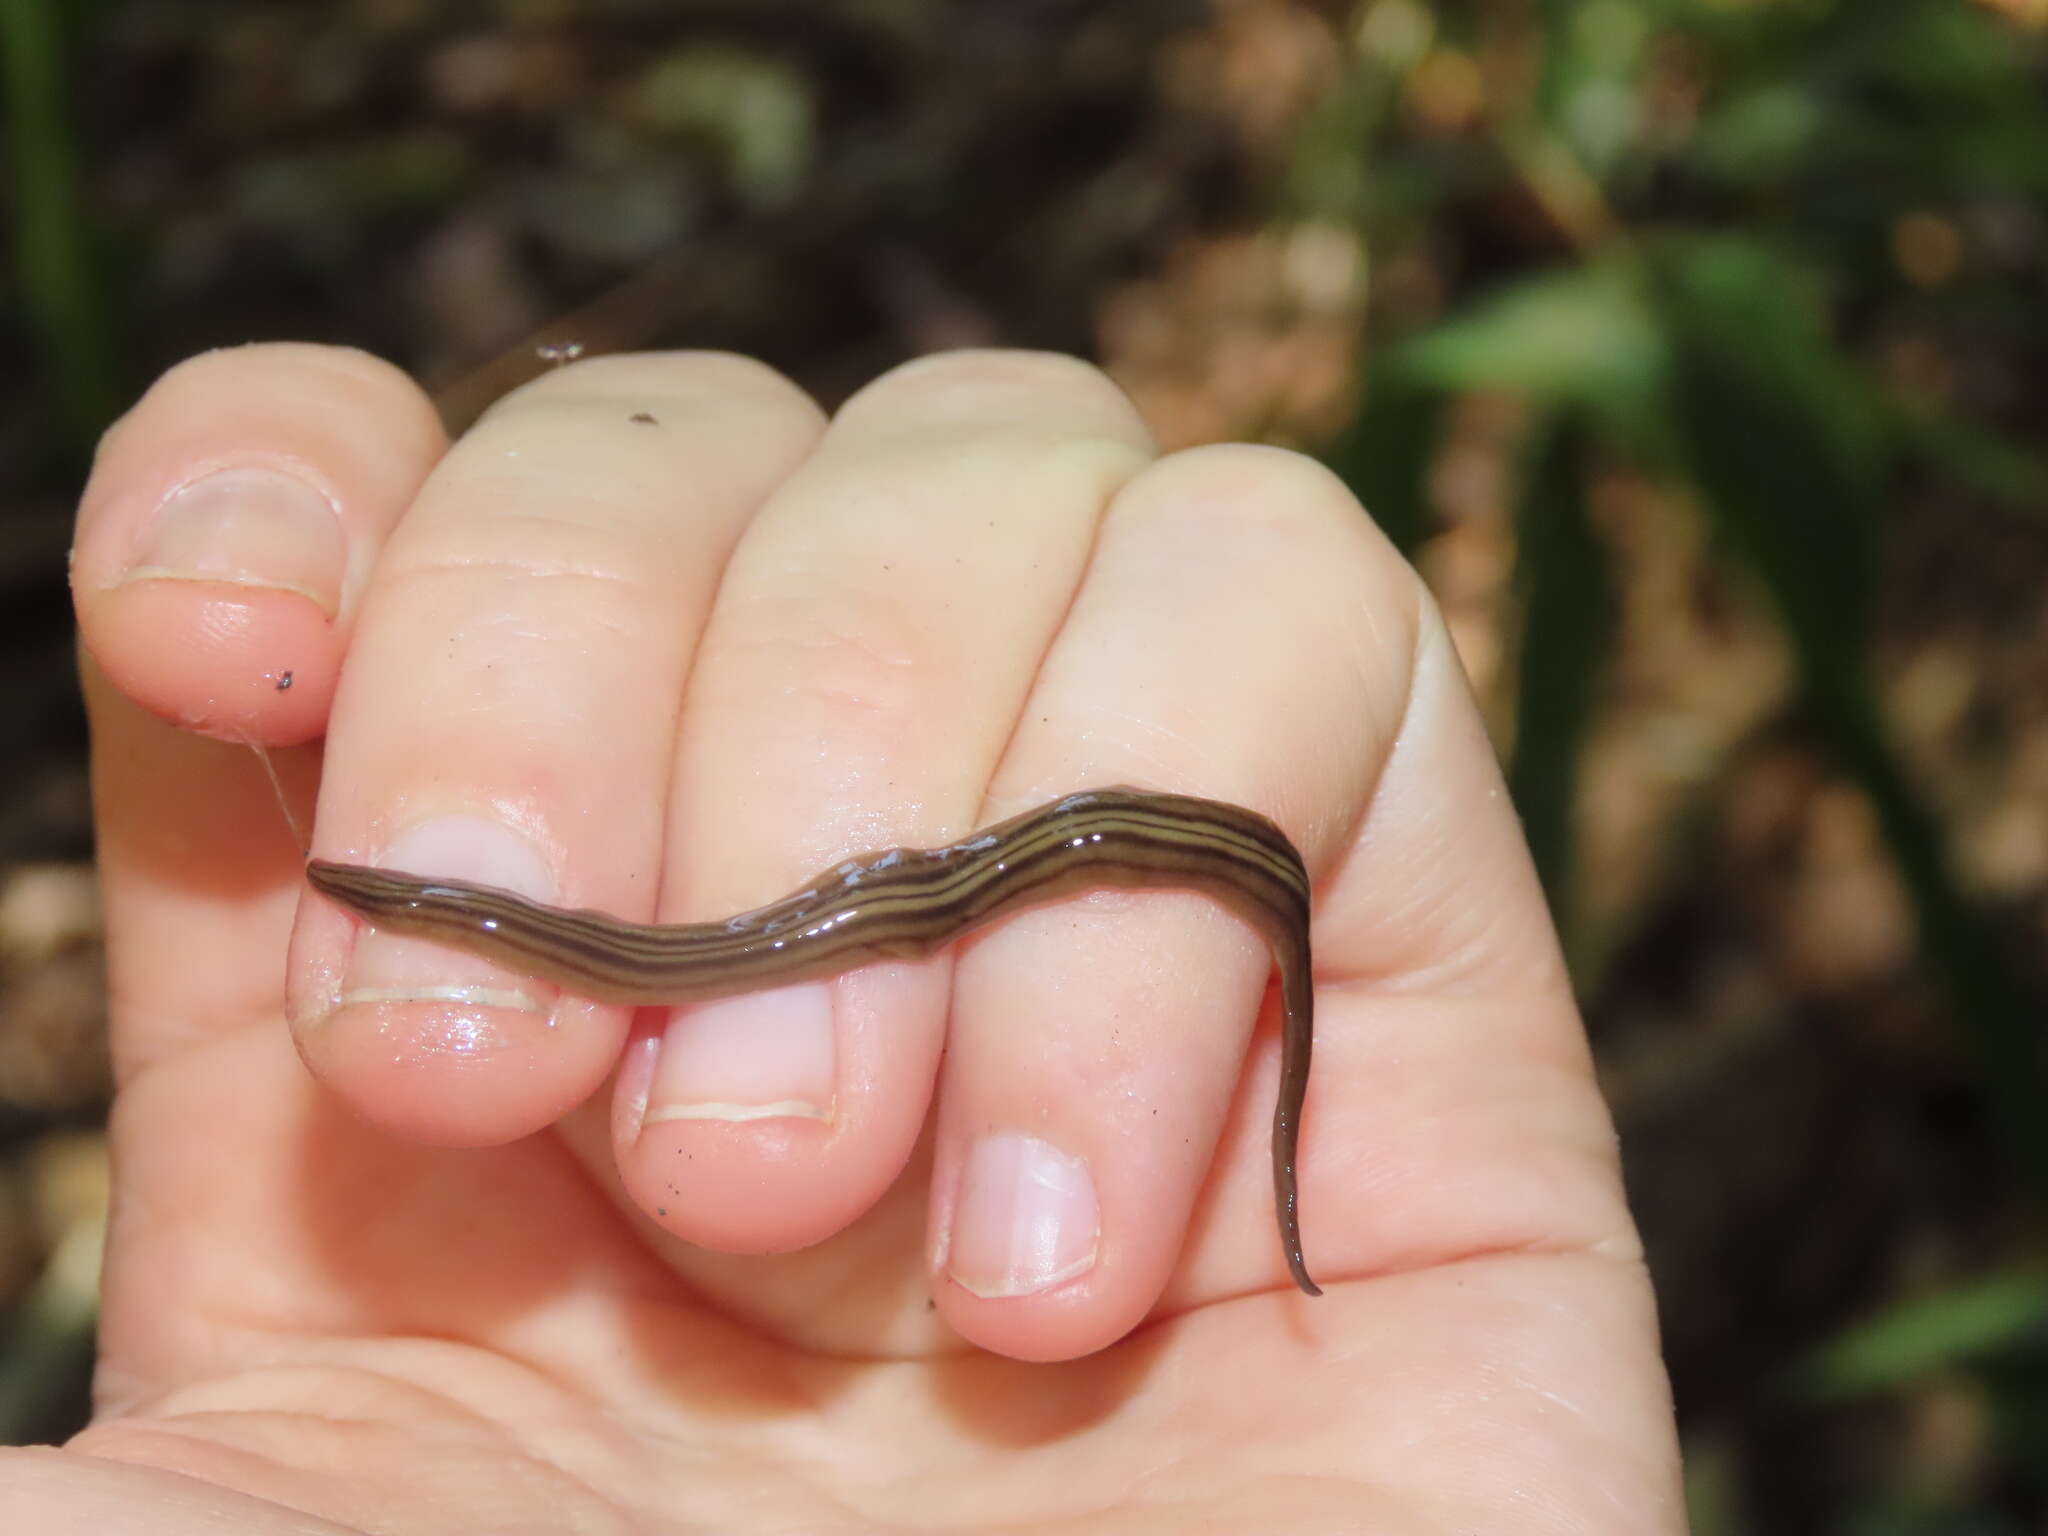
[239, 507]
[969, 596]
[509, 717]
[222, 547]
[875, 636]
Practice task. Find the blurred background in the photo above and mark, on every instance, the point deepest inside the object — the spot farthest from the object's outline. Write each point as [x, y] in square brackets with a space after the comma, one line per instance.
[1696, 350]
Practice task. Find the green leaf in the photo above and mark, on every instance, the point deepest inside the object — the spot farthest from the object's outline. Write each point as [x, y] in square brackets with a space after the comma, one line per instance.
[1582, 337]
[1978, 460]
[1385, 451]
[60, 283]
[1568, 619]
[1781, 437]
[1759, 133]
[1786, 448]
[1927, 1335]
[754, 106]
[1878, 105]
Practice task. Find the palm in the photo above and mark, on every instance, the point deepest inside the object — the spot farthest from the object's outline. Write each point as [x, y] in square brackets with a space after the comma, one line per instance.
[493, 1312]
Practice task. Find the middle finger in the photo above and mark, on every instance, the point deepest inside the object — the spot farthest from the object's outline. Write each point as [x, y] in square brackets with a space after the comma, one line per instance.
[876, 632]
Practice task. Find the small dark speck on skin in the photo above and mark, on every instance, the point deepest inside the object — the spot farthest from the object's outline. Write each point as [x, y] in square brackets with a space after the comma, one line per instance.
[284, 682]
[661, 1210]
[644, 418]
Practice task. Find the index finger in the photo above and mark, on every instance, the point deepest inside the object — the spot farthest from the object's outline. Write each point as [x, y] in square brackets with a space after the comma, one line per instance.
[222, 544]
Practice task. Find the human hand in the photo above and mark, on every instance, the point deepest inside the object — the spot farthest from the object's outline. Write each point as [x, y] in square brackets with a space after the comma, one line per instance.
[670, 667]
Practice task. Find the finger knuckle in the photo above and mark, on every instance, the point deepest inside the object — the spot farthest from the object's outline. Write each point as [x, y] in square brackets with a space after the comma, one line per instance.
[684, 378]
[993, 384]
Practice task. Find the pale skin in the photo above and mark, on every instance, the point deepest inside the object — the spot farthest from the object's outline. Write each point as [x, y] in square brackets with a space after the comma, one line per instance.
[404, 1242]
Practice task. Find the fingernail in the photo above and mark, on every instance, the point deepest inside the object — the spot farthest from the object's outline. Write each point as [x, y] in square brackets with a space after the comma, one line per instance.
[252, 527]
[1026, 1220]
[767, 1055]
[395, 968]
